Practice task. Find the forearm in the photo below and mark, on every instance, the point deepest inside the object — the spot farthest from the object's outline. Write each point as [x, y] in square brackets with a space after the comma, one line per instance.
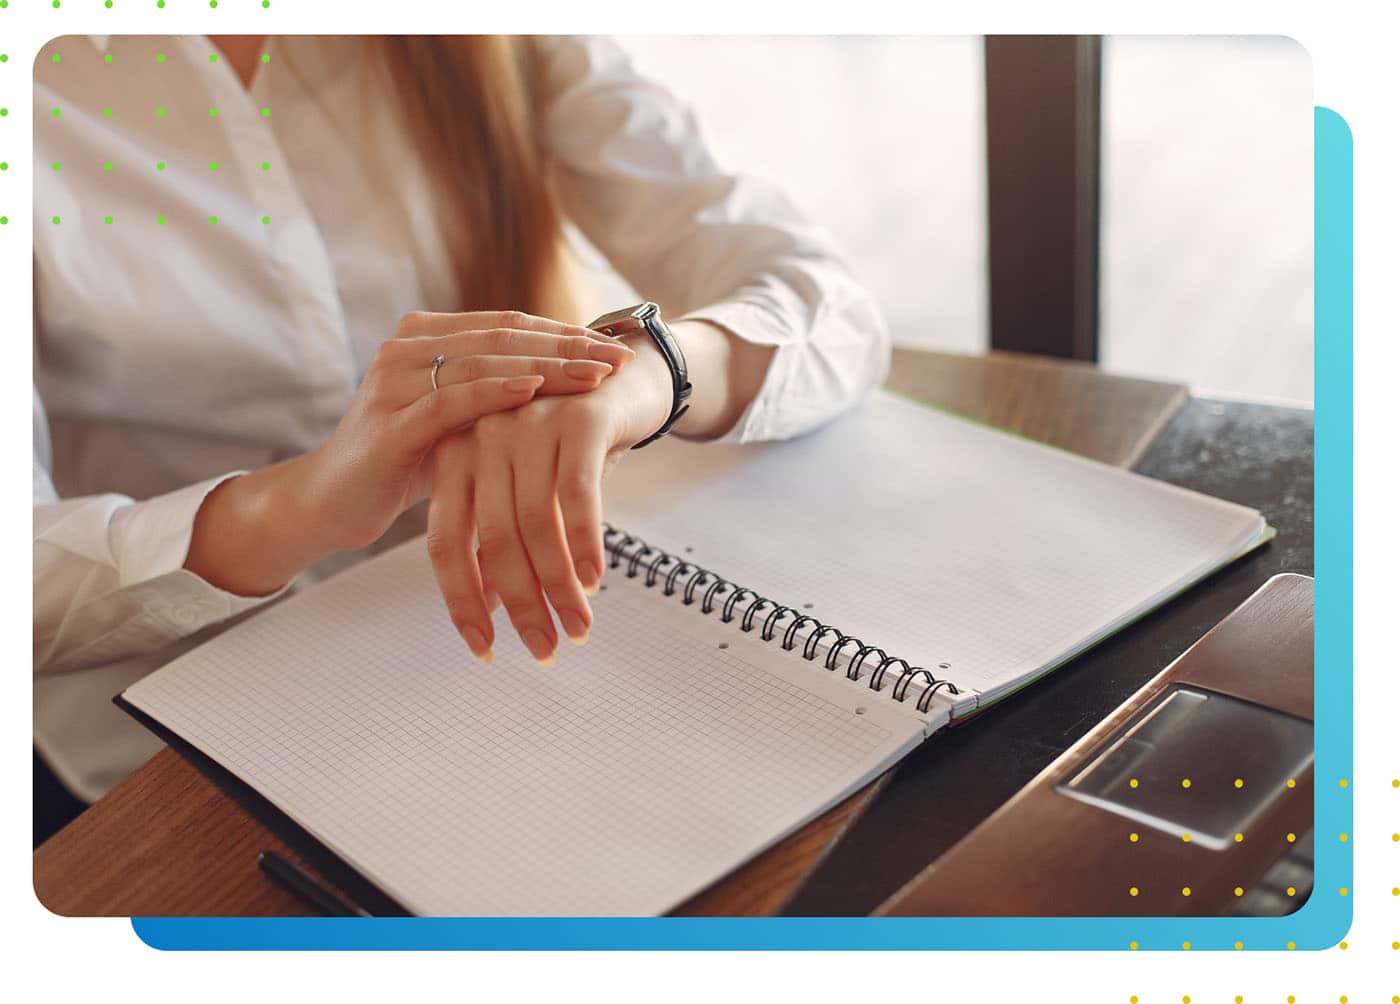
[726, 373]
[255, 532]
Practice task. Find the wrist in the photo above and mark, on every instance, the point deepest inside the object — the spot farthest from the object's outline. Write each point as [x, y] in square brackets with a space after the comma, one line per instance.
[650, 389]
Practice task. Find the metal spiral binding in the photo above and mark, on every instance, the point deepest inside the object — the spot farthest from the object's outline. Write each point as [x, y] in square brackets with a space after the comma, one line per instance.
[700, 584]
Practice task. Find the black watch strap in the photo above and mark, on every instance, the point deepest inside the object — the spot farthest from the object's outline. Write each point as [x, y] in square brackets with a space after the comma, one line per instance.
[647, 317]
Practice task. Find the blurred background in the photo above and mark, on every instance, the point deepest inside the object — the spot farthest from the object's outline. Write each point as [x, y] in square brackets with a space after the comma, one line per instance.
[1199, 247]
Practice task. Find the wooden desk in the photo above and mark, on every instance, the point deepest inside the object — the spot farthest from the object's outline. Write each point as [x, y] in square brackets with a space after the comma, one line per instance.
[168, 842]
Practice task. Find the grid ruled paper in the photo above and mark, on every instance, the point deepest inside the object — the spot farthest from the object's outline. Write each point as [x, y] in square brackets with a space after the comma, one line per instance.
[982, 556]
[641, 768]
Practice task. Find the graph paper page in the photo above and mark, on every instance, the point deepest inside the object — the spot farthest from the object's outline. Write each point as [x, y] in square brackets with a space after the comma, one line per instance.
[938, 539]
[638, 770]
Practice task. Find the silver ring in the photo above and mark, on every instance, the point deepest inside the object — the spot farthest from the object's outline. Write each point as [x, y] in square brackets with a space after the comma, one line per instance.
[437, 365]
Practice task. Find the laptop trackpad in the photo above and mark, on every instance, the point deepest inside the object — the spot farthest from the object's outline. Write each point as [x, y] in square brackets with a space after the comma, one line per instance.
[1206, 738]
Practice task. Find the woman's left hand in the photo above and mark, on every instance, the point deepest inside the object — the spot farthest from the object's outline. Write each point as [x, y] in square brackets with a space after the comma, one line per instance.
[526, 484]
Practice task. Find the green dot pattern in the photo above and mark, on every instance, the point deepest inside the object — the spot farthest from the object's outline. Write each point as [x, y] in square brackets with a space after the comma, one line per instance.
[160, 113]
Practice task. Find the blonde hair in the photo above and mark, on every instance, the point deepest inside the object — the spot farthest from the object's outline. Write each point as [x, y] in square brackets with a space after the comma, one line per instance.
[471, 104]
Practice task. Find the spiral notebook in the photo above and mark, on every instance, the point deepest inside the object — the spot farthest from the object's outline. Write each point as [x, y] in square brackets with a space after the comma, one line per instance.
[781, 623]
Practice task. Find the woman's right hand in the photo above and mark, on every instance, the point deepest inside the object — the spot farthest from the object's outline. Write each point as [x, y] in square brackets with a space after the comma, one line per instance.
[348, 491]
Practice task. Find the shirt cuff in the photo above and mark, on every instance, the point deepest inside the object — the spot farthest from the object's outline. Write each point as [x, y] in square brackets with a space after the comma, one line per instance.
[757, 324]
[150, 541]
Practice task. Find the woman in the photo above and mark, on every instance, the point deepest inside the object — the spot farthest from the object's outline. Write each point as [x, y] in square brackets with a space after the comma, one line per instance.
[249, 254]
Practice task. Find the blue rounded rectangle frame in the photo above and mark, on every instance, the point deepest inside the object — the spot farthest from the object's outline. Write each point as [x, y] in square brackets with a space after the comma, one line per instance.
[1320, 923]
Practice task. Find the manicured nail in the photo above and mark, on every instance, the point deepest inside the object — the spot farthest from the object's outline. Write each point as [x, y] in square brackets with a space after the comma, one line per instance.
[586, 369]
[588, 576]
[521, 384]
[539, 646]
[574, 626]
[476, 641]
[610, 352]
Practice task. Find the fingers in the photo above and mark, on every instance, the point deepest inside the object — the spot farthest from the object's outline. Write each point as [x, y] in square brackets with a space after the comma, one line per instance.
[579, 488]
[425, 324]
[514, 342]
[542, 532]
[493, 598]
[453, 551]
[505, 561]
[448, 409]
[561, 376]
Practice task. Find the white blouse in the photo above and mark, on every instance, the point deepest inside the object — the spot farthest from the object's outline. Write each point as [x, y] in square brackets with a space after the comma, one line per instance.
[215, 264]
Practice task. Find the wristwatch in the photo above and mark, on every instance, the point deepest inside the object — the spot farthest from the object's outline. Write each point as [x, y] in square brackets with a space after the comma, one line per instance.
[647, 317]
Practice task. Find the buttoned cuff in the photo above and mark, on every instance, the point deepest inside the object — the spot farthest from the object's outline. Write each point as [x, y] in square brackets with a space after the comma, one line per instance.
[759, 325]
[150, 541]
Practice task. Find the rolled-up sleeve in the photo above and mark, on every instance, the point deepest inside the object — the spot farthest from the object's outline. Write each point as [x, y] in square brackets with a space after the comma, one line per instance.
[635, 176]
[109, 581]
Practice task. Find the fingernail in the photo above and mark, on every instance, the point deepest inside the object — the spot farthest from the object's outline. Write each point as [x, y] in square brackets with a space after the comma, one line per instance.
[539, 646]
[574, 626]
[586, 369]
[476, 641]
[588, 576]
[521, 384]
[610, 352]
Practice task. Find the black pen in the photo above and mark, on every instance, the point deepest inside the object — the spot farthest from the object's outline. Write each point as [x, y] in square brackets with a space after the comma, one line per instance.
[295, 879]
